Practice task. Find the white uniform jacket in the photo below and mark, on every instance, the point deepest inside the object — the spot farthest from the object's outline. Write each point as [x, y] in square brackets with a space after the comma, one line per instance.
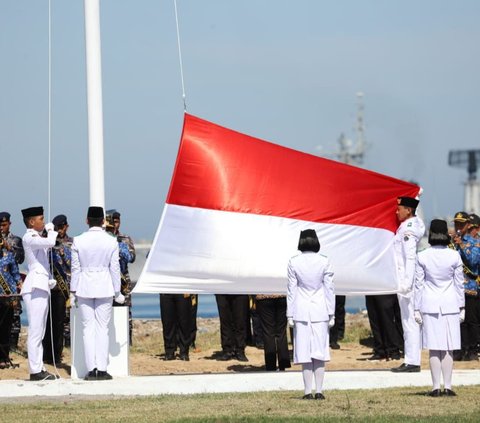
[95, 265]
[439, 281]
[405, 243]
[36, 252]
[310, 293]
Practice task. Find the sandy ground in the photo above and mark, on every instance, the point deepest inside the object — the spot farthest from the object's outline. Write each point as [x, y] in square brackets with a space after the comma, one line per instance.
[146, 358]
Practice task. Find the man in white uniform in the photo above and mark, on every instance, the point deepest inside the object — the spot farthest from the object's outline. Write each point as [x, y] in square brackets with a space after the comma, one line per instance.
[95, 282]
[406, 239]
[37, 285]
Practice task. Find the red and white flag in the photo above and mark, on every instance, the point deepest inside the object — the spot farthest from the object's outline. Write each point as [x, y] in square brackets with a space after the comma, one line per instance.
[237, 204]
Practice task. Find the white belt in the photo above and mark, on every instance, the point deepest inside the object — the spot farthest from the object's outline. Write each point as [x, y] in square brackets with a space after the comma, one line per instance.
[94, 269]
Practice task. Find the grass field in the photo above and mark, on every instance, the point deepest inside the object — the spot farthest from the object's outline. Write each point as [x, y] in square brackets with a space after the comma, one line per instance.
[381, 405]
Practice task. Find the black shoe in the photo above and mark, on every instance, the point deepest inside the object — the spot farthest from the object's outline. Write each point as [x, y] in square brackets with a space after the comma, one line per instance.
[43, 375]
[435, 393]
[307, 396]
[103, 375]
[457, 355]
[184, 357]
[377, 357]
[449, 393]
[395, 356]
[319, 396]
[334, 346]
[406, 368]
[240, 356]
[91, 375]
[470, 356]
[169, 356]
[225, 356]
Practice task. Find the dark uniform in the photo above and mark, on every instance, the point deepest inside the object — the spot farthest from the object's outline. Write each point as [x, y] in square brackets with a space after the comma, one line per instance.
[16, 247]
[272, 313]
[469, 249]
[61, 262]
[338, 330]
[127, 255]
[9, 279]
[176, 314]
[233, 311]
[385, 326]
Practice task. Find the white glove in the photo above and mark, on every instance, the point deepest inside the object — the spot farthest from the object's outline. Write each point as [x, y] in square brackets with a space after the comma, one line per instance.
[331, 321]
[291, 323]
[462, 315]
[73, 300]
[418, 317]
[52, 283]
[119, 298]
[49, 227]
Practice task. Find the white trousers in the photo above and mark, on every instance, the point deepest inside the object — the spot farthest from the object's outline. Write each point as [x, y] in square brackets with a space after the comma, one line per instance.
[95, 314]
[36, 303]
[411, 331]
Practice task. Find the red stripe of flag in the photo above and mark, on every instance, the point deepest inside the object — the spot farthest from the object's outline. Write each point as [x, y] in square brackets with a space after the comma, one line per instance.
[221, 169]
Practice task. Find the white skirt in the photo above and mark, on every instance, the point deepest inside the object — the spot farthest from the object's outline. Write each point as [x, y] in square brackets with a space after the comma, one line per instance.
[441, 331]
[311, 341]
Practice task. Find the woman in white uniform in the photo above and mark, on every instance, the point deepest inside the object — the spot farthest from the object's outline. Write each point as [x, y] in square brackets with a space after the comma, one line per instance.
[439, 304]
[311, 310]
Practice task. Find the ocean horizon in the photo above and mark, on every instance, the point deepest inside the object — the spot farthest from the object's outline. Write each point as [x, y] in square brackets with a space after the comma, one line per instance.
[147, 306]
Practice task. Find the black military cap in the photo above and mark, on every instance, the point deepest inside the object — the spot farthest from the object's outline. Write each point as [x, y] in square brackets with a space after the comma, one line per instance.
[461, 217]
[60, 220]
[113, 213]
[32, 212]
[4, 217]
[474, 220]
[408, 202]
[95, 212]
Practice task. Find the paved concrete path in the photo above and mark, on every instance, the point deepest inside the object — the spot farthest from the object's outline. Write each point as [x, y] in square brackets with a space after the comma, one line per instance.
[226, 382]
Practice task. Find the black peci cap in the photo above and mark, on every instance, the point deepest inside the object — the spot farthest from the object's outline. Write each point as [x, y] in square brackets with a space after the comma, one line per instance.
[408, 202]
[32, 212]
[95, 212]
[438, 233]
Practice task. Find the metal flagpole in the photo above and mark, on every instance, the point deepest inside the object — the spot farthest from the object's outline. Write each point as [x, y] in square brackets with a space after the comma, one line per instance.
[94, 102]
[118, 345]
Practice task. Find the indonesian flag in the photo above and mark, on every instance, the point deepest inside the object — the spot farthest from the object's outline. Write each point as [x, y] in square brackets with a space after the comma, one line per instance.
[237, 204]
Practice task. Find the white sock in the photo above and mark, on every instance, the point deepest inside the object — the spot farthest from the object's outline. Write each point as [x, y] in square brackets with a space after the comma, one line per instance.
[319, 373]
[307, 377]
[435, 368]
[447, 368]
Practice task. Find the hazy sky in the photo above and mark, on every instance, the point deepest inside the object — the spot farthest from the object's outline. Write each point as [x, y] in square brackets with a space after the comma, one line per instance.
[284, 71]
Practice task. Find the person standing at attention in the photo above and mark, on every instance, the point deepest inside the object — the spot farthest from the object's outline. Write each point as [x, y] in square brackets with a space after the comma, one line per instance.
[440, 304]
[37, 285]
[310, 310]
[95, 281]
[405, 243]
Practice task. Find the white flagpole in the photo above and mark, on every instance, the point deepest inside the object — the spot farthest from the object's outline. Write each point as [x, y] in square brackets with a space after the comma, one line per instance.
[94, 102]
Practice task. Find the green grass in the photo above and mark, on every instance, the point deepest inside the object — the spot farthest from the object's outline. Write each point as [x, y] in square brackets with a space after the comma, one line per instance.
[380, 405]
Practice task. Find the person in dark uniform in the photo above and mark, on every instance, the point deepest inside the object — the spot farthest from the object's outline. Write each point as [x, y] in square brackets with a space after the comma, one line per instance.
[386, 329]
[272, 313]
[16, 247]
[9, 280]
[127, 256]
[338, 330]
[232, 311]
[469, 249]
[61, 262]
[194, 300]
[176, 315]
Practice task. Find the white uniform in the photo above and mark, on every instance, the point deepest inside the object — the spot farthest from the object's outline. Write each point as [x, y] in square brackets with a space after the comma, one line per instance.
[439, 295]
[35, 293]
[95, 280]
[405, 242]
[310, 302]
